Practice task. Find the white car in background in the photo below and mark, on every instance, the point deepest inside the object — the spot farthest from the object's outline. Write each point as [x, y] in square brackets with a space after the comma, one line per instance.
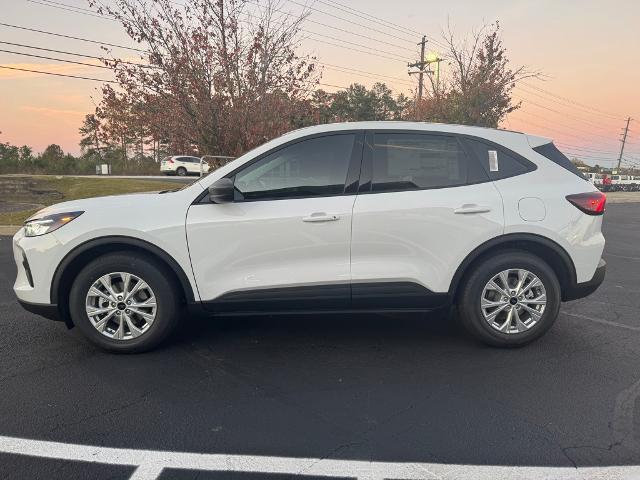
[384, 216]
[183, 165]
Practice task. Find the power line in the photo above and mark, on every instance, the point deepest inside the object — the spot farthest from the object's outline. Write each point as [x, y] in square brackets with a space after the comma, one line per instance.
[55, 2]
[70, 8]
[566, 99]
[395, 56]
[64, 52]
[595, 157]
[53, 58]
[58, 74]
[588, 150]
[64, 6]
[544, 127]
[361, 75]
[586, 135]
[334, 86]
[397, 59]
[399, 79]
[104, 66]
[586, 122]
[326, 25]
[563, 103]
[71, 37]
[374, 19]
[353, 23]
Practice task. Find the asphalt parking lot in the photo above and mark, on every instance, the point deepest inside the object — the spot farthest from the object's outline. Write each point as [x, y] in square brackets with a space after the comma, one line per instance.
[309, 394]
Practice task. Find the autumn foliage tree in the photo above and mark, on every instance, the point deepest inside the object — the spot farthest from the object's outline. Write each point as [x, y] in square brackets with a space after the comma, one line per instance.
[218, 76]
[480, 80]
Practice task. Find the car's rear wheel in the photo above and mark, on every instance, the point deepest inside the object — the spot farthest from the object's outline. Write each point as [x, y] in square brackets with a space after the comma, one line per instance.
[510, 299]
[181, 171]
[124, 302]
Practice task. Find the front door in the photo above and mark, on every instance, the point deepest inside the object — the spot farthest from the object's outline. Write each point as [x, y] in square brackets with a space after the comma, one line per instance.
[284, 243]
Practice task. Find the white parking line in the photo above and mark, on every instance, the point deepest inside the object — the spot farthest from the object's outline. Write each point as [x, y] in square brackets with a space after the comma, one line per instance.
[150, 464]
[603, 322]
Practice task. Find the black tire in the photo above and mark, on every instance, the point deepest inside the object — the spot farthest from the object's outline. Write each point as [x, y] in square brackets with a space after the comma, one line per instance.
[469, 300]
[157, 276]
[181, 172]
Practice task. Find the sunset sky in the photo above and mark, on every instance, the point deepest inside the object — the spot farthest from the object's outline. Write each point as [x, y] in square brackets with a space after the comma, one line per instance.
[589, 51]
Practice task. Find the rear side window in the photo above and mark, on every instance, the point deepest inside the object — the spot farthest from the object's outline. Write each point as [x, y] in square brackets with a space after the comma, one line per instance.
[498, 162]
[407, 161]
[550, 151]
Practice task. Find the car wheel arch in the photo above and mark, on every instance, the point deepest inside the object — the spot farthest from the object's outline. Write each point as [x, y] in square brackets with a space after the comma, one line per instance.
[76, 258]
[550, 251]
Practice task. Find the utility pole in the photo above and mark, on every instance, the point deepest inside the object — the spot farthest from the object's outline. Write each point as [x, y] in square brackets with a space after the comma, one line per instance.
[420, 65]
[624, 140]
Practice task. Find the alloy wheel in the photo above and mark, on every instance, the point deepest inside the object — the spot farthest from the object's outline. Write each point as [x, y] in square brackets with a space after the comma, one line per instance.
[513, 301]
[121, 306]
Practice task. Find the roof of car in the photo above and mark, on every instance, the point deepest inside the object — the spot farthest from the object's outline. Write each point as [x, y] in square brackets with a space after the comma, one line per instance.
[483, 132]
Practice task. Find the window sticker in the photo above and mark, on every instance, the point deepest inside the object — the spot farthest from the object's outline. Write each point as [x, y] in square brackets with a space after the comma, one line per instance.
[493, 161]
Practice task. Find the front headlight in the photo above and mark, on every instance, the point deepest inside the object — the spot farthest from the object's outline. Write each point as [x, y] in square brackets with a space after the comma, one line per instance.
[34, 227]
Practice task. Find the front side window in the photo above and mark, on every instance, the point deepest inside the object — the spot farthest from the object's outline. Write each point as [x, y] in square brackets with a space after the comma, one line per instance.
[407, 161]
[312, 167]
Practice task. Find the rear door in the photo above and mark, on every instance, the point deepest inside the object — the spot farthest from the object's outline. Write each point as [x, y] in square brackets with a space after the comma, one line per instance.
[192, 164]
[423, 206]
[284, 243]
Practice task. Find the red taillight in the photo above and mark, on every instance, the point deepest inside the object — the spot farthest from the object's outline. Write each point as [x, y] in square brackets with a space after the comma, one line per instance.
[169, 161]
[591, 203]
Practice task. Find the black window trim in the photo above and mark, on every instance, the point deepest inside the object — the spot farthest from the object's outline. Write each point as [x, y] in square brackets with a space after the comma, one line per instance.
[363, 162]
[568, 167]
[366, 181]
[353, 170]
[526, 163]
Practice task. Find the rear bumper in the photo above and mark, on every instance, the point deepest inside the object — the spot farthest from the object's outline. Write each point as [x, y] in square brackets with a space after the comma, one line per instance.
[581, 290]
[45, 310]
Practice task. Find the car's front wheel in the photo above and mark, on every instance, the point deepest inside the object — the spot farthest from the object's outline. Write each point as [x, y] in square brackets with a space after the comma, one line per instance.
[510, 299]
[124, 302]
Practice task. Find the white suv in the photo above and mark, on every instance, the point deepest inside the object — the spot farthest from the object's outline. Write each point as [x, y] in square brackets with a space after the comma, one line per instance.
[370, 216]
[182, 165]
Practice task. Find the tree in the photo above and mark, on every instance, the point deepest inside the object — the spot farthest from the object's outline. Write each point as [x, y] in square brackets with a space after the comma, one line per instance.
[91, 140]
[357, 103]
[208, 77]
[478, 89]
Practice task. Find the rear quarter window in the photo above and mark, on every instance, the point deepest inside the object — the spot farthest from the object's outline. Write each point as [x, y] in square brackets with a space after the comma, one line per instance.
[551, 152]
[497, 161]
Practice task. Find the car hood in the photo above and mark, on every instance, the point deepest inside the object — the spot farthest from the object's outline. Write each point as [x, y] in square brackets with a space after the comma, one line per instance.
[128, 201]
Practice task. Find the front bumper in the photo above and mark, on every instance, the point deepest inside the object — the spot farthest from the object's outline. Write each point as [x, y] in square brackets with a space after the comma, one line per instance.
[581, 290]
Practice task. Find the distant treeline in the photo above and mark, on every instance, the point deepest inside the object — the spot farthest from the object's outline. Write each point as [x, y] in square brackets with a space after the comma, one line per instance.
[53, 160]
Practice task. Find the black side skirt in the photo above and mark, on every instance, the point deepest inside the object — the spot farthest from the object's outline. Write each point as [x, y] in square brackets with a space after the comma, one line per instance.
[374, 296]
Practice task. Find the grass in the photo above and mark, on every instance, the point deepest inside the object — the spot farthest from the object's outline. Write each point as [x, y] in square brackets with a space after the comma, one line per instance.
[75, 188]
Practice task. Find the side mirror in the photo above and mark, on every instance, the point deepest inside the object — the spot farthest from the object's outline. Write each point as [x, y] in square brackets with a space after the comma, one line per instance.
[222, 191]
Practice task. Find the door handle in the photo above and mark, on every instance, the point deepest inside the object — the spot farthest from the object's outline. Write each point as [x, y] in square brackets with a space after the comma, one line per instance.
[472, 208]
[320, 217]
